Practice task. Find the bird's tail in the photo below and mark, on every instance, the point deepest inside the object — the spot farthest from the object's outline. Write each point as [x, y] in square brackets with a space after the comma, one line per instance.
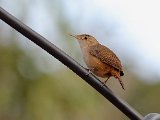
[121, 82]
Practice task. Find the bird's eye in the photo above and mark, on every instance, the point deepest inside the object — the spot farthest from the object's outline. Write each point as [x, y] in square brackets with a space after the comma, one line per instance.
[85, 37]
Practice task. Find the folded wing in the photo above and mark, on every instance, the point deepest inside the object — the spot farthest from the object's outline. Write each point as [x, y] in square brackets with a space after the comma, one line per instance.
[105, 55]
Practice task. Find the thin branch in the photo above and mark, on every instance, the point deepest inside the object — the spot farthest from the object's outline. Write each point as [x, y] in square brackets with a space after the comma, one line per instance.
[69, 62]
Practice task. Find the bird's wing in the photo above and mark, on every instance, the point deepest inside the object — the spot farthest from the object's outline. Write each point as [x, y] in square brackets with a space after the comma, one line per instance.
[105, 55]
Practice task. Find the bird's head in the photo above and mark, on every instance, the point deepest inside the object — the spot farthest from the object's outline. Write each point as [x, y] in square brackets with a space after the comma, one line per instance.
[85, 40]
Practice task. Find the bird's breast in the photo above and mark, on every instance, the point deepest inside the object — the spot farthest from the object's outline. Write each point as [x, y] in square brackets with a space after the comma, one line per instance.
[98, 68]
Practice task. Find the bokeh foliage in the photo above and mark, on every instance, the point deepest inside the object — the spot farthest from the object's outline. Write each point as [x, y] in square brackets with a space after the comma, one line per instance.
[28, 93]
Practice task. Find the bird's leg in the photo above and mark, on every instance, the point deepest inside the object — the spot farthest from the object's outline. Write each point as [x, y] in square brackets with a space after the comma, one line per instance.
[89, 71]
[106, 80]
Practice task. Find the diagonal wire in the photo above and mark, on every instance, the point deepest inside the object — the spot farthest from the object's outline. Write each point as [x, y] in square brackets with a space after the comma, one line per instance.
[69, 62]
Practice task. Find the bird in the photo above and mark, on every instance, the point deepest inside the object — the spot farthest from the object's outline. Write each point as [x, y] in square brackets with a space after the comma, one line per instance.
[99, 59]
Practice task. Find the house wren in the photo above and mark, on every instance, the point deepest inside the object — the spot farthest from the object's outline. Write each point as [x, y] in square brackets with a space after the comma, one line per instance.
[99, 59]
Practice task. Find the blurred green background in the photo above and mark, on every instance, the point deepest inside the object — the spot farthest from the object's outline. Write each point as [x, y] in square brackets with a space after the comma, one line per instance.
[36, 86]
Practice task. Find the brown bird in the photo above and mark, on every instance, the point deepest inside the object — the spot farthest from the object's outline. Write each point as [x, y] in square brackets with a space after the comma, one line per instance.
[99, 59]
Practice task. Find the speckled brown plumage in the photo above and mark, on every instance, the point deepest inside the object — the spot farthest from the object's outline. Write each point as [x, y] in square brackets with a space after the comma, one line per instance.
[105, 55]
[99, 59]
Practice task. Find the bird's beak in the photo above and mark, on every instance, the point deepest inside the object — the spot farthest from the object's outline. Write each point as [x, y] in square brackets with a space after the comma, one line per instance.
[75, 36]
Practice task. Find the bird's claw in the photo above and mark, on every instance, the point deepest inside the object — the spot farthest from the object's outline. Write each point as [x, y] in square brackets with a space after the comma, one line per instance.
[89, 71]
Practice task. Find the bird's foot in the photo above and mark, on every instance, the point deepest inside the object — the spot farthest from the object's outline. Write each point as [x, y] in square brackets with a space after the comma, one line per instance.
[89, 71]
